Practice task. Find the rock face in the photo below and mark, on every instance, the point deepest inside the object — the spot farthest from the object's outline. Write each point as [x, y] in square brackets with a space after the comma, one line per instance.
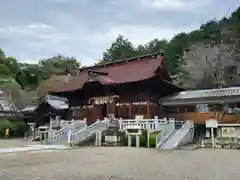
[209, 67]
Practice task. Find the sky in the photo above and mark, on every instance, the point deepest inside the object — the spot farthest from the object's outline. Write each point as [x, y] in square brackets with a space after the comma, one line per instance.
[32, 30]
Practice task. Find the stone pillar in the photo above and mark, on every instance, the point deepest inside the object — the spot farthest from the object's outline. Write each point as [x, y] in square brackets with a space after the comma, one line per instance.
[146, 125]
[121, 124]
[156, 123]
[69, 137]
[45, 138]
[98, 120]
[129, 140]
[51, 124]
[213, 138]
[148, 136]
[96, 139]
[85, 122]
[41, 137]
[137, 141]
[99, 138]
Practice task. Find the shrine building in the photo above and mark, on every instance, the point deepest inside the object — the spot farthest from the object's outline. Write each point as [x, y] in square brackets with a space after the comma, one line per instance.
[124, 89]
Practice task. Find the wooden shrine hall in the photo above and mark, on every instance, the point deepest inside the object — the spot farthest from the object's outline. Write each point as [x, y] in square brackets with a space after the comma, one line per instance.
[124, 89]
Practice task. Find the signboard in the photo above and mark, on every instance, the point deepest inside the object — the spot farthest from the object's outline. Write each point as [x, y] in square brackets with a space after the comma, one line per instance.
[133, 130]
[139, 117]
[228, 132]
[103, 100]
[211, 123]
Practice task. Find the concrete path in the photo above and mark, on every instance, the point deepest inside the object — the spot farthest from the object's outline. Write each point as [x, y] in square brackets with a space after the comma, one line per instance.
[33, 148]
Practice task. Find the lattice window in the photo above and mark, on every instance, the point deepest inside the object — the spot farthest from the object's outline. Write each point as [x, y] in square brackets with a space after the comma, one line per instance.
[170, 110]
[190, 108]
[139, 109]
[123, 111]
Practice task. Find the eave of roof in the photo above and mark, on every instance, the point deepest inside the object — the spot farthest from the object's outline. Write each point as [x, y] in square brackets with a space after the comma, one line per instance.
[29, 108]
[121, 61]
[139, 69]
[56, 102]
[209, 96]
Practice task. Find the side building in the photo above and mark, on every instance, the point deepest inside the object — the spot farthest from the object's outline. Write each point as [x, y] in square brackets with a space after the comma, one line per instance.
[8, 109]
[124, 89]
[201, 105]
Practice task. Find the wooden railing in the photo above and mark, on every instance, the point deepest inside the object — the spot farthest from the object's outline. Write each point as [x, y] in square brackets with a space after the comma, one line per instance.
[201, 117]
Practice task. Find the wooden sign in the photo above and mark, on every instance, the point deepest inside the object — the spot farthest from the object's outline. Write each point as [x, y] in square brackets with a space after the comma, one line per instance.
[211, 123]
[103, 100]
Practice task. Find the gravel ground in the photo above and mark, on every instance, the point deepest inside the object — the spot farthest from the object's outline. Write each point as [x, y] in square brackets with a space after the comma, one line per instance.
[116, 163]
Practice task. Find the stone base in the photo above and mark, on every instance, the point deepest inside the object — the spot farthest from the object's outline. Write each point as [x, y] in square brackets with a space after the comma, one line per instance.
[112, 140]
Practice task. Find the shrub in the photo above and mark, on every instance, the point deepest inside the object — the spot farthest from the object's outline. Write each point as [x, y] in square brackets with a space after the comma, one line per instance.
[152, 138]
[143, 139]
[17, 129]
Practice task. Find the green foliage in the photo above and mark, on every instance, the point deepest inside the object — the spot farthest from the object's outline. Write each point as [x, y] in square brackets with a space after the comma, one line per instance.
[143, 140]
[121, 48]
[29, 76]
[5, 124]
[11, 87]
[210, 33]
[17, 129]
[4, 71]
[13, 65]
[59, 65]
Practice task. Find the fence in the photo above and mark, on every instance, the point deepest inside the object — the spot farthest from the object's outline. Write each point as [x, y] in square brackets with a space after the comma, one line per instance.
[149, 124]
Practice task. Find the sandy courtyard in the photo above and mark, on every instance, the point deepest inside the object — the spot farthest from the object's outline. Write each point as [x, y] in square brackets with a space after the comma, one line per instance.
[101, 163]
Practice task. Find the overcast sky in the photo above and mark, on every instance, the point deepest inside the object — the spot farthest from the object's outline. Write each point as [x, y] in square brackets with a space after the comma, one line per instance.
[34, 29]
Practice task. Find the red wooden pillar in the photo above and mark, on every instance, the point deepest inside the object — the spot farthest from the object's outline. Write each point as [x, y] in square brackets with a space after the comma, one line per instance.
[130, 110]
[93, 113]
[148, 107]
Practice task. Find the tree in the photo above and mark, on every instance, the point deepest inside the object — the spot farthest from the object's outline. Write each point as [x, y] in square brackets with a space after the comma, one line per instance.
[4, 71]
[29, 76]
[13, 65]
[156, 45]
[121, 48]
[2, 55]
[11, 87]
[59, 65]
[47, 85]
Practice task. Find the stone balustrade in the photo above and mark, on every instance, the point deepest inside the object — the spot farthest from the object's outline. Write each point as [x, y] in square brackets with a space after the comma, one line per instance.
[155, 124]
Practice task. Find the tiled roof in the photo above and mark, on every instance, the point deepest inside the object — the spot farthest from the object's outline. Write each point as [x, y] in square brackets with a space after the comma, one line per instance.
[29, 108]
[130, 70]
[6, 104]
[203, 94]
[57, 102]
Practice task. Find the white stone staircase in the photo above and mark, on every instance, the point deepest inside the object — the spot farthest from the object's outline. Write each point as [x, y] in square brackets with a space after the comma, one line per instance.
[33, 136]
[88, 132]
[61, 136]
[176, 138]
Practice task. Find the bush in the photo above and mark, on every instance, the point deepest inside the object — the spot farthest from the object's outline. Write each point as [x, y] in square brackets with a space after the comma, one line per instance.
[17, 129]
[143, 140]
[152, 138]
